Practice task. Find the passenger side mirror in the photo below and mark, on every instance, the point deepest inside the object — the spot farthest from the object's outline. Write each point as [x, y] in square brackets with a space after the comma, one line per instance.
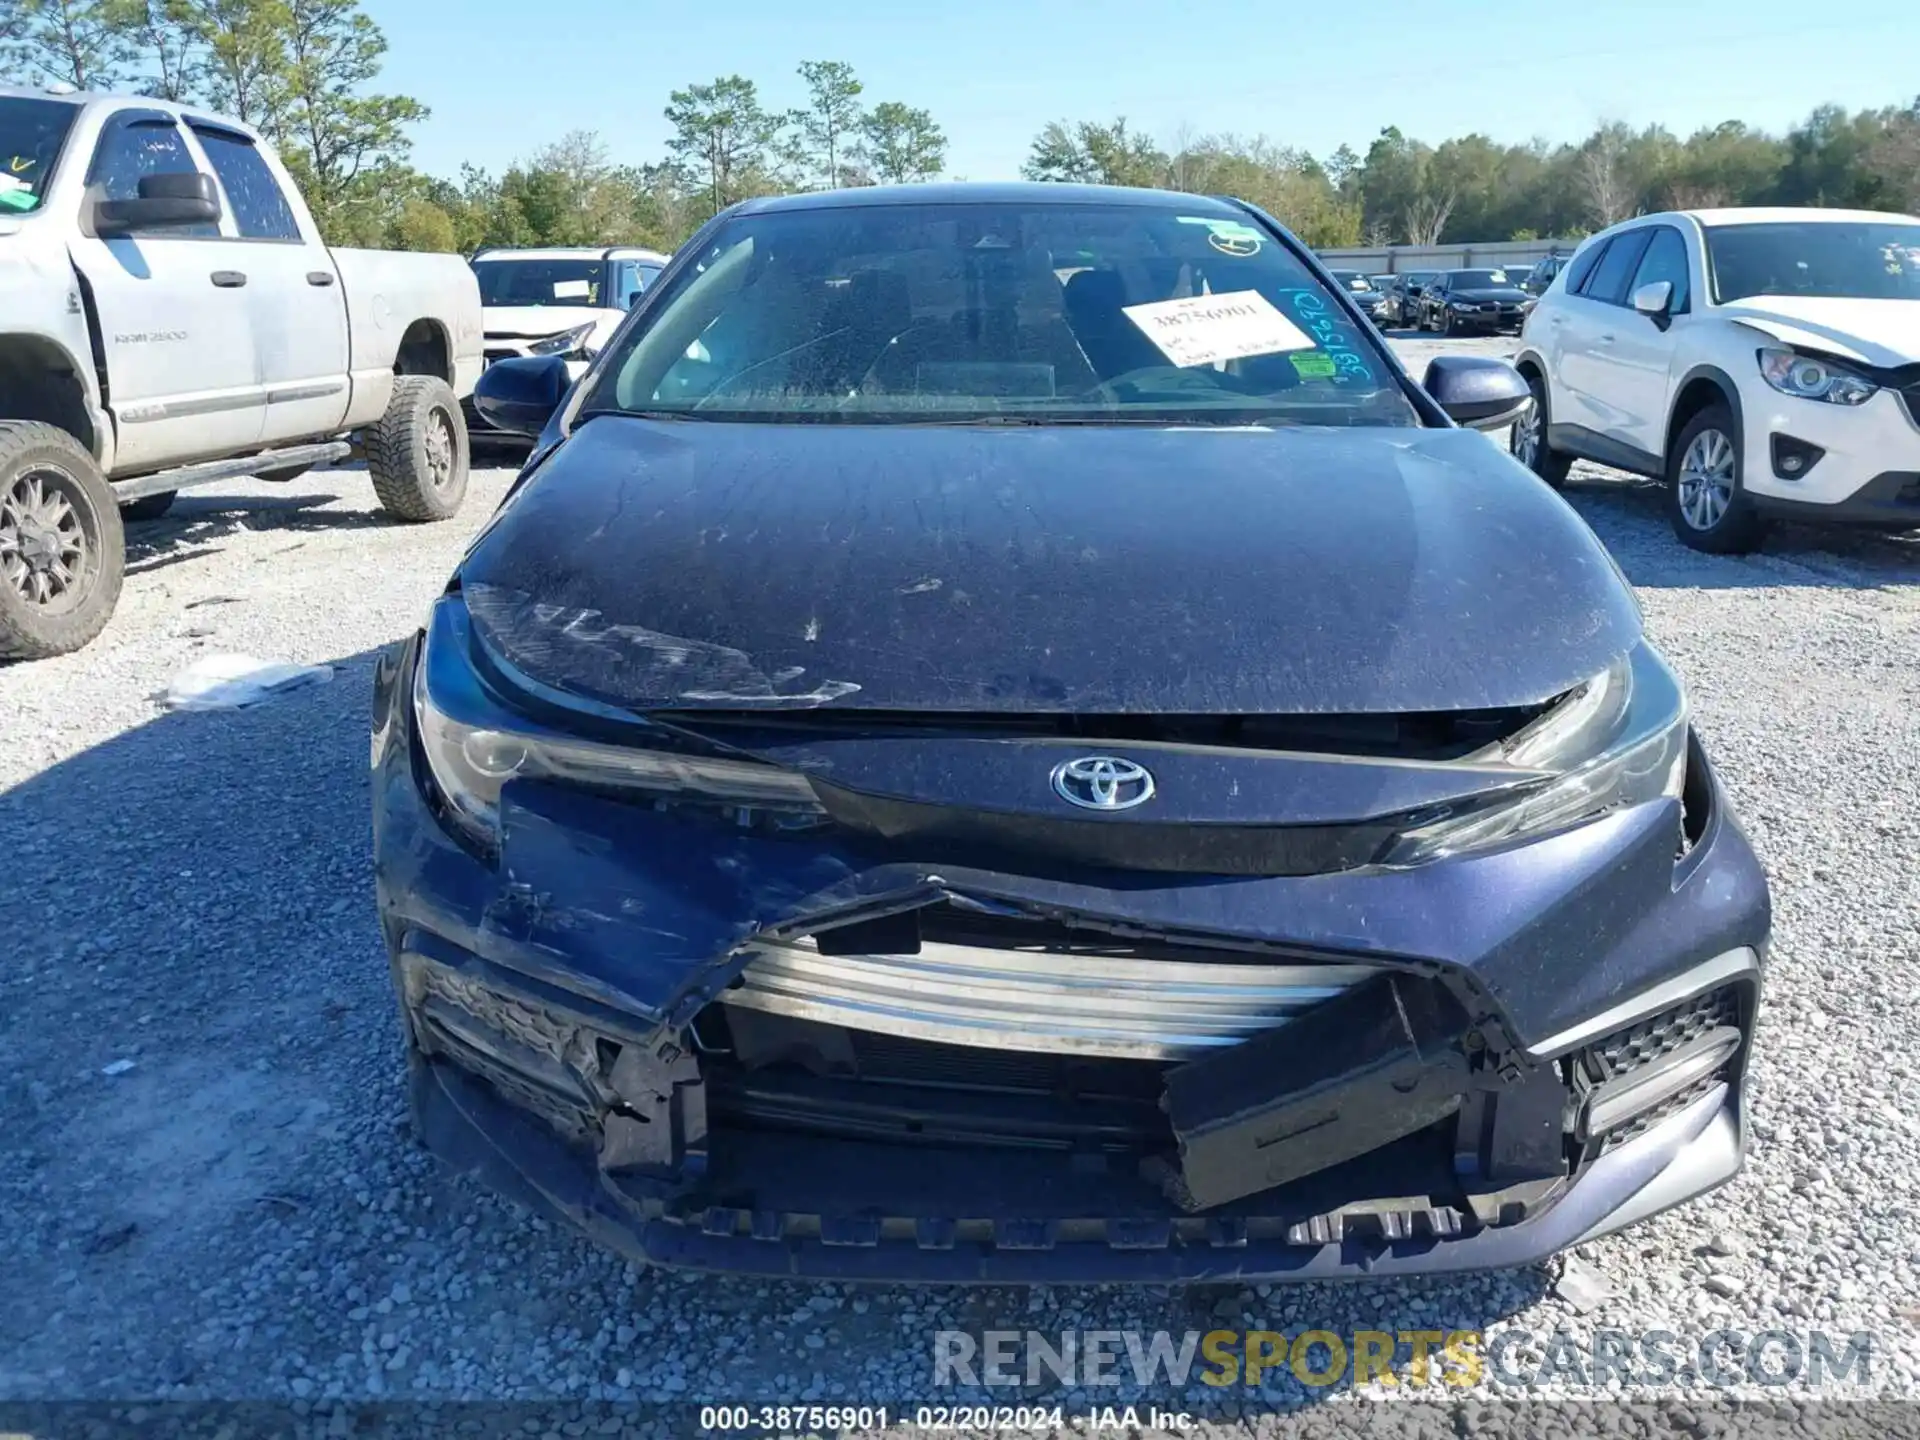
[1654, 300]
[165, 202]
[520, 395]
[1477, 390]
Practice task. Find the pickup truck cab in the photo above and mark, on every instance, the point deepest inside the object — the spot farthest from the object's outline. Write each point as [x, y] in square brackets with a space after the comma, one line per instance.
[170, 317]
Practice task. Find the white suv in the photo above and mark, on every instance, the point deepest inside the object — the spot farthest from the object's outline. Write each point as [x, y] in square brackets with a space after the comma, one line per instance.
[565, 301]
[1760, 362]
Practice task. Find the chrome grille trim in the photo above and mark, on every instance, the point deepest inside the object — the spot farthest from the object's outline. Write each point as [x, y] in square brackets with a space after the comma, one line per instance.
[1037, 999]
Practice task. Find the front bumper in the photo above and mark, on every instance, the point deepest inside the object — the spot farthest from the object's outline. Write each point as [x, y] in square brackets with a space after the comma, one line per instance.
[1488, 320]
[1868, 471]
[555, 1002]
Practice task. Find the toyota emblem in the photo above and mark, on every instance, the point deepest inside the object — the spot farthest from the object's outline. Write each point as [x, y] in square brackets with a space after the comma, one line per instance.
[1102, 782]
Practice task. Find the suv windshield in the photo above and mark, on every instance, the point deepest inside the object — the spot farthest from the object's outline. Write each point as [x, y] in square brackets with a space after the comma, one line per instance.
[1034, 312]
[1835, 259]
[541, 282]
[1479, 279]
[31, 134]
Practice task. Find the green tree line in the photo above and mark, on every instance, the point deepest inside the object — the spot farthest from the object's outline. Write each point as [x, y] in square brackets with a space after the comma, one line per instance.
[305, 73]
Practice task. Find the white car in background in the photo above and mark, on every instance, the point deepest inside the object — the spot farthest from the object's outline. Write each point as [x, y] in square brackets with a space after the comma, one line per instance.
[1763, 363]
[559, 301]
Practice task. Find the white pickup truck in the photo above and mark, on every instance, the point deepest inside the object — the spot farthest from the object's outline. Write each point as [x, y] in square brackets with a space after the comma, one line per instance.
[169, 317]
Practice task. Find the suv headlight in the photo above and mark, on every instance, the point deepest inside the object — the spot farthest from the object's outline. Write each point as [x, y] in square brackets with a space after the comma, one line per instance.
[1618, 740]
[473, 745]
[1808, 377]
[567, 342]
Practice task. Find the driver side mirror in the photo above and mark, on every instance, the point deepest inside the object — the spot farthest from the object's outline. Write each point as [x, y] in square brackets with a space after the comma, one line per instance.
[520, 395]
[164, 202]
[1476, 390]
[1655, 301]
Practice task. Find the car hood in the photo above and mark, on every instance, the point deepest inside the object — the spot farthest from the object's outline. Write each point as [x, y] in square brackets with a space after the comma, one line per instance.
[1505, 294]
[678, 565]
[1884, 333]
[521, 321]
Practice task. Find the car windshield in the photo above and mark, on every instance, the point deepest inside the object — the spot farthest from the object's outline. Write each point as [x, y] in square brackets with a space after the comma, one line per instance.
[1034, 312]
[31, 134]
[541, 282]
[1352, 279]
[1834, 259]
[1479, 279]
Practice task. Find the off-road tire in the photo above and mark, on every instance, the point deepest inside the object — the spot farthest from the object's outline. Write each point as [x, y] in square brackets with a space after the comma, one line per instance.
[414, 480]
[148, 507]
[1550, 465]
[35, 628]
[1740, 527]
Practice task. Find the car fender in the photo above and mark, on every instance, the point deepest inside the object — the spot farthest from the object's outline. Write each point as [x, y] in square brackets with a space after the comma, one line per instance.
[45, 305]
[1721, 380]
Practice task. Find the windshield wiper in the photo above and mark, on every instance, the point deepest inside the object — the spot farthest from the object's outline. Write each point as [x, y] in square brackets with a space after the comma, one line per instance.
[588, 414]
[1161, 422]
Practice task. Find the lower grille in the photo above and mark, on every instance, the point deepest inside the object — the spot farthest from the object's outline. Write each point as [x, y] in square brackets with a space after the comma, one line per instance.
[1034, 999]
[1634, 1078]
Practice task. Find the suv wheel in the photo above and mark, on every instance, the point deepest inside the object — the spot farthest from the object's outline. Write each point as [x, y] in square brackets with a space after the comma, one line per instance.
[1709, 509]
[1528, 439]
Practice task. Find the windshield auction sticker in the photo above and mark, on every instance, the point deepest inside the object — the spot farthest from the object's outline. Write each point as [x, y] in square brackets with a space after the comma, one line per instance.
[1206, 329]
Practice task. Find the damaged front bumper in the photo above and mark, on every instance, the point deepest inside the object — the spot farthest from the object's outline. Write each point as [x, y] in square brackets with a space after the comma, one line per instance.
[784, 1056]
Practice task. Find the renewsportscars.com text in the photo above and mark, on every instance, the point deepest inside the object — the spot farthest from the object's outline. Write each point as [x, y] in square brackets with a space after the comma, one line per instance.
[1459, 1359]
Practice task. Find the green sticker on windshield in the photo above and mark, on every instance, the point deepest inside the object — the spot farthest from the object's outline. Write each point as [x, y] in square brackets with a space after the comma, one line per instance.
[1312, 364]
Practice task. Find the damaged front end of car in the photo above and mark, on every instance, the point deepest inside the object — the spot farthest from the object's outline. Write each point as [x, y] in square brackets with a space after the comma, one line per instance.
[805, 993]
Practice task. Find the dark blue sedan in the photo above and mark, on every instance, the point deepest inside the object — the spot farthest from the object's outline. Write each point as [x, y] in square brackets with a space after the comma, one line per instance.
[999, 736]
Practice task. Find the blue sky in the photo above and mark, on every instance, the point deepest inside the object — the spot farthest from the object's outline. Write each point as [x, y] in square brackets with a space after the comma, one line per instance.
[504, 77]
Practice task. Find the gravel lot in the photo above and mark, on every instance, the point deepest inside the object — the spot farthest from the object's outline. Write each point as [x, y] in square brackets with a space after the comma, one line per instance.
[241, 1214]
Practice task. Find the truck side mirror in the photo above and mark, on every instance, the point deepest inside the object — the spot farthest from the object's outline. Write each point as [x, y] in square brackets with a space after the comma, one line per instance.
[165, 202]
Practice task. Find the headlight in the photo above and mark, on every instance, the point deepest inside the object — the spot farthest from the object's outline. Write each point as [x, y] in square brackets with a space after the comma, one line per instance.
[567, 342]
[1807, 377]
[473, 745]
[1463, 305]
[1618, 740]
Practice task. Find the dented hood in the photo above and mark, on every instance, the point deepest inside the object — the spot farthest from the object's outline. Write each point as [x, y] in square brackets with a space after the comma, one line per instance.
[1883, 333]
[687, 565]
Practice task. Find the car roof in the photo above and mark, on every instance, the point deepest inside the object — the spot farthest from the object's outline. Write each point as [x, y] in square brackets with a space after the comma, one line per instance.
[117, 100]
[1767, 215]
[982, 192]
[570, 252]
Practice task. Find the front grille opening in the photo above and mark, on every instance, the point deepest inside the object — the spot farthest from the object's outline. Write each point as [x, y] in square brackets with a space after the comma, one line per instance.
[1631, 1080]
[769, 1072]
[1661, 1035]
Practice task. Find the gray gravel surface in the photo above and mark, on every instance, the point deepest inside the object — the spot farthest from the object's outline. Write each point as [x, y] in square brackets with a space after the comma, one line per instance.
[239, 1213]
